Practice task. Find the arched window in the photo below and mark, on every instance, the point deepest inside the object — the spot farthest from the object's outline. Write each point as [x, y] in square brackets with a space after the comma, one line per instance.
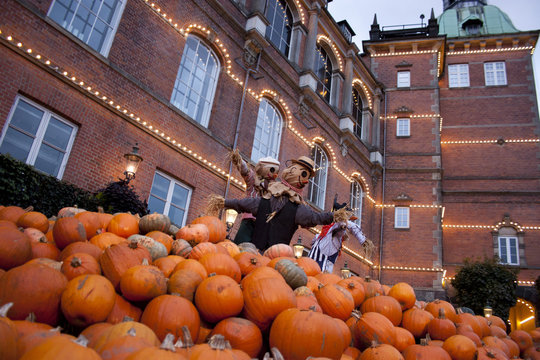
[279, 31]
[357, 196]
[357, 112]
[317, 184]
[267, 132]
[323, 69]
[196, 80]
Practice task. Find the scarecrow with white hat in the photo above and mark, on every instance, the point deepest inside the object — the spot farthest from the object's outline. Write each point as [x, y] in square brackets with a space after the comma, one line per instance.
[281, 210]
[257, 181]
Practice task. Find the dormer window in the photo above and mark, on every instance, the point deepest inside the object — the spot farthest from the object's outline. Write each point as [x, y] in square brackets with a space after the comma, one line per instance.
[473, 26]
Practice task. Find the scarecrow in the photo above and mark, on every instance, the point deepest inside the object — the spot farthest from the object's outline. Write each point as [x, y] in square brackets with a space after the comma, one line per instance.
[281, 210]
[326, 247]
[257, 181]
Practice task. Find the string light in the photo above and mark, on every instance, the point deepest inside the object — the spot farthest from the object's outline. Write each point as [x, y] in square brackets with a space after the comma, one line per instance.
[334, 49]
[419, 52]
[408, 268]
[418, 116]
[483, 51]
[366, 92]
[492, 141]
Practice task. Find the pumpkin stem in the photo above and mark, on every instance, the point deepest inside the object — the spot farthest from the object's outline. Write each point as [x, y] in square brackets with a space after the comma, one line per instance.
[76, 262]
[428, 338]
[43, 239]
[188, 341]
[31, 317]
[100, 209]
[253, 261]
[351, 285]
[368, 278]
[81, 340]
[132, 332]
[145, 262]
[57, 329]
[5, 308]
[218, 342]
[133, 244]
[424, 342]
[127, 318]
[28, 209]
[167, 343]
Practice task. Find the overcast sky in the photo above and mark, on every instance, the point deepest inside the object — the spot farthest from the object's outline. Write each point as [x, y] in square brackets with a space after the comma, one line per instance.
[525, 15]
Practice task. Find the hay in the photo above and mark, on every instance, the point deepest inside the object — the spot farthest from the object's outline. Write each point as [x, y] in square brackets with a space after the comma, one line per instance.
[342, 215]
[215, 204]
[235, 157]
[368, 248]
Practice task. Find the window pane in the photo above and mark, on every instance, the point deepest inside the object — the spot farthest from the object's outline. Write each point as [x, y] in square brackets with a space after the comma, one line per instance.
[156, 205]
[180, 196]
[58, 134]
[176, 215]
[513, 251]
[160, 186]
[16, 144]
[503, 250]
[49, 160]
[26, 117]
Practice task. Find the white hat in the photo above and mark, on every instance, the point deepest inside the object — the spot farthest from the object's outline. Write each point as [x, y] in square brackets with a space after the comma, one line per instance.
[268, 160]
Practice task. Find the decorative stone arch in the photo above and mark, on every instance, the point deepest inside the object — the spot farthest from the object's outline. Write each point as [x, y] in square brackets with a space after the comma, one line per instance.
[210, 38]
[332, 51]
[317, 185]
[508, 228]
[367, 98]
[362, 180]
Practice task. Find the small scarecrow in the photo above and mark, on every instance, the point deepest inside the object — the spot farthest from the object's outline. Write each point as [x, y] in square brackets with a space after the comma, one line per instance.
[281, 210]
[257, 180]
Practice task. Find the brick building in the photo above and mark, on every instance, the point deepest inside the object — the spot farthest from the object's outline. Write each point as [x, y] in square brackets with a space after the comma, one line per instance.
[395, 131]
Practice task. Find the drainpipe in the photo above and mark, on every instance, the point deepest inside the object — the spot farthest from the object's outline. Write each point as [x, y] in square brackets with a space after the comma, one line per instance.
[239, 119]
[383, 190]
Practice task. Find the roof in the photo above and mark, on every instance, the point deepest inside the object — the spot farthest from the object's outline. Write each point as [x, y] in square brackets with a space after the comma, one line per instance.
[491, 20]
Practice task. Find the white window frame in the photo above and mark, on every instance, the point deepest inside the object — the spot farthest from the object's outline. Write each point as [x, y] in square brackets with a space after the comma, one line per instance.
[507, 248]
[168, 200]
[458, 75]
[317, 184]
[403, 127]
[495, 73]
[214, 76]
[40, 133]
[401, 217]
[268, 129]
[403, 79]
[356, 200]
[113, 25]
[271, 28]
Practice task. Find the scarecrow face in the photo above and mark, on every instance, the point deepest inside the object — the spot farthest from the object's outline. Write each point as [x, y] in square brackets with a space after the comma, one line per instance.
[296, 175]
[267, 171]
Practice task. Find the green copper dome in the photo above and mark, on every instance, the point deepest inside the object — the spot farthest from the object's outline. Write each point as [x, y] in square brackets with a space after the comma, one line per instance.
[475, 21]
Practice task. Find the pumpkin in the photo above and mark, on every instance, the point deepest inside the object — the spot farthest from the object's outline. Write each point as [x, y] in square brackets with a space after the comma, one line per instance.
[416, 321]
[532, 353]
[33, 288]
[262, 306]
[192, 265]
[87, 299]
[402, 338]
[163, 238]
[15, 248]
[356, 289]
[121, 309]
[115, 260]
[385, 305]
[166, 351]
[28, 325]
[299, 334]
[216, 348]
[497, 321]
[79, 264]
[217, 230]
[68, 230]
[33, 219]
[449, 310]
[46, 261]
[335, 301]
[44, 249]
[494, 342]
[154, 222]
[513, 347]
[124, 225]
[352, 353]
[168, 313]
[34, 235]
[167, 264]
[62, 348]
[94, 332]
[248, 247]
[218, 297]
[69, 211]
[425, 351]
[202, 249]
[441, 328]
[369, 327]
[143, 282]
[469, 319]
[221, 264]
[372, 287]
[486, 352]
[306, 300]
[521, 337]
[13, 213]
[231, 247]
[9, 224]
[313, 283]
[381, 352]
[262, 273]
[122, 347]
[272, 263]
[184, 282]
[404, 294]
[460, 347]
[484, 326]
[310, 266]
[279, 250]
[248, 262]
[30, 340]
[91, 222]
[8, 335]
[241, 333]
[194, 234]
[181, 248]
[156, 249]
[80, 247]
[497, 331]
[327, 278]
[293, 274]
[106, 239]
[112, 332]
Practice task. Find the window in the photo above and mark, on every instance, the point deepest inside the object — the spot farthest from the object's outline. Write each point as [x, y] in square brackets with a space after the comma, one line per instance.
[196, 81]
[169, 197]
[508, 250]
[38, 137]
[267, 132]
[280, 18]
[94, 22]
[323, 69]
[317, 184]
[403, 127]
[356, 200]
[401, 217]
[357, 112]
[495, 73]
[458, 75]
[403, 79]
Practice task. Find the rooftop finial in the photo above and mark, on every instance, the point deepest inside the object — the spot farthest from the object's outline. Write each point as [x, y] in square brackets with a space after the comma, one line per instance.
[375, 20]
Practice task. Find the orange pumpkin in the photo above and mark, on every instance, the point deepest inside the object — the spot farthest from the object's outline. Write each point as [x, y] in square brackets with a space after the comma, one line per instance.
[191, 265]
[44, 249]
[335, 301]
[33, 219]
[163, 238]
[221, 264]
[241, 333]
[369, 327]
[194, 234]
[460, 347]
[184, 282]
[15, 248]
[441, 328]
[381, 351]
[8, 334]
[121, 309]
[217, 230]
[279, 250]
[106, 239]
[385, 305]
[218, 297]
[116, 259]
[404, 293]
[12, 213]
[167, 264]
[402, 338]
[61, 348]
[416, 321]
[449, 310]
[68, 230]
[80, 247]
[310, 266]
[425, 351]
[124, 225]
[143, 282]
[80, 264]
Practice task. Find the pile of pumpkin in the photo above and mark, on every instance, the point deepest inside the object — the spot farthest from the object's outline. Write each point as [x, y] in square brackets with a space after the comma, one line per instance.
[124, 287]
